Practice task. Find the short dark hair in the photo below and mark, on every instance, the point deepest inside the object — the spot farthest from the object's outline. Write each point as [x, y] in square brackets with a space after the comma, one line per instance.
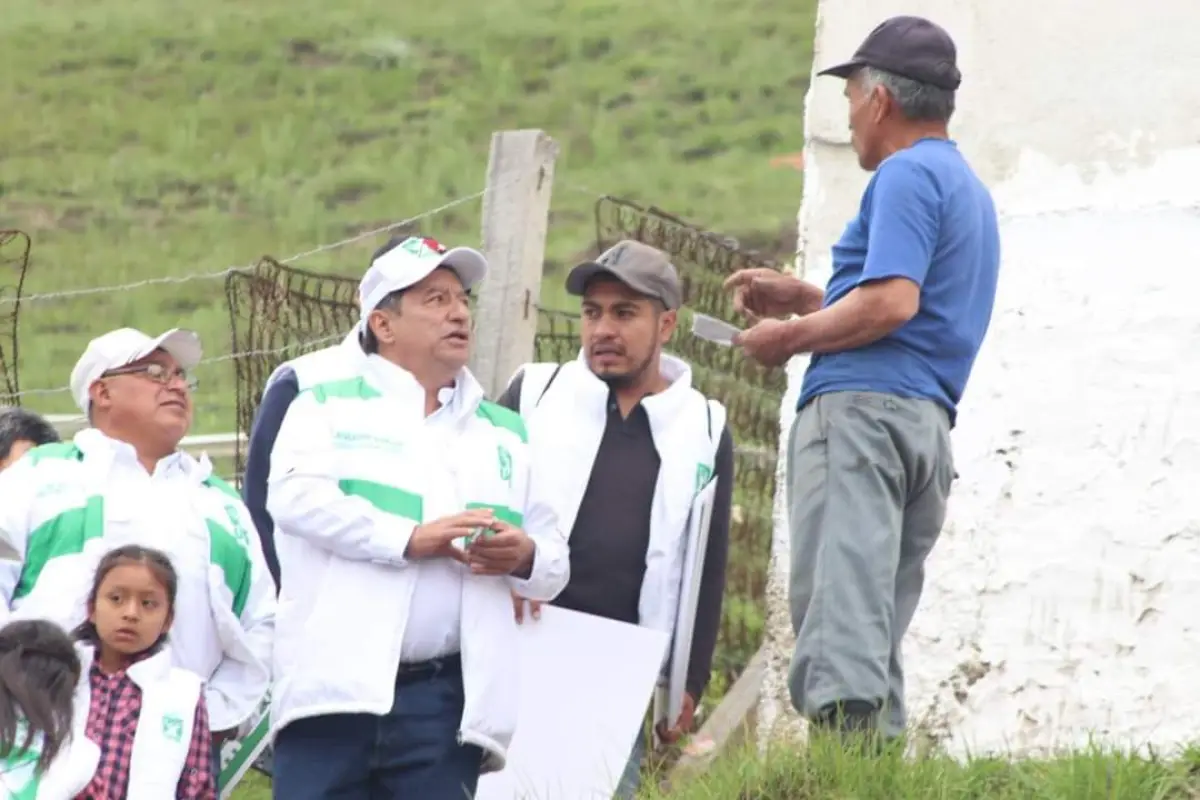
[368, 340]
[392, 244]
[39, 669]
[17, 424]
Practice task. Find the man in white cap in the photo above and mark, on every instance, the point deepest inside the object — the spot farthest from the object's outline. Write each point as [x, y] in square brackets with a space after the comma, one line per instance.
[405, 515]
[124, 480]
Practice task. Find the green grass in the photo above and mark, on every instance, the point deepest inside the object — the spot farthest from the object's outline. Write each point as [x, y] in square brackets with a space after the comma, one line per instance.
[825, 772]
[150, 138]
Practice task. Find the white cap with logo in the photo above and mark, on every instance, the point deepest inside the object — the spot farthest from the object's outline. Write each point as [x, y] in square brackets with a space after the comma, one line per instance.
[124, 346]
[409, 262]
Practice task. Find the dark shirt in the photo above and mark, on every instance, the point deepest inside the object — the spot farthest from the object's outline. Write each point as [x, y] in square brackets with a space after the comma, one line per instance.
[612, 531]
[271, 411]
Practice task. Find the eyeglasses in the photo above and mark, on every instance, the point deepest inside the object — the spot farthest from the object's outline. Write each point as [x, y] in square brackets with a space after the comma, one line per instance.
[155, 372]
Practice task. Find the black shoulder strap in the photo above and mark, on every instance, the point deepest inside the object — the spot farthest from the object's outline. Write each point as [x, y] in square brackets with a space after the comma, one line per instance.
[553, 375]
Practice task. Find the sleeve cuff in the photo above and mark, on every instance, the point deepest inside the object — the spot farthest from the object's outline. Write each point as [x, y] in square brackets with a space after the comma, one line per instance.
[519, 583]
[393, 548]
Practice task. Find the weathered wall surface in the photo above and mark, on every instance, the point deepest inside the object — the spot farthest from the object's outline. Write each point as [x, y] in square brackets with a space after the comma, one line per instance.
[1063, 599]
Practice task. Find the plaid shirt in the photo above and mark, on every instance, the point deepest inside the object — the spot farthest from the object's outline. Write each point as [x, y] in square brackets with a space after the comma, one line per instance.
[112, 722]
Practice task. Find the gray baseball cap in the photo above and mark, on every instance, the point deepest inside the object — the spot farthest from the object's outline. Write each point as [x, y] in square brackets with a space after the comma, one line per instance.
[645, 269]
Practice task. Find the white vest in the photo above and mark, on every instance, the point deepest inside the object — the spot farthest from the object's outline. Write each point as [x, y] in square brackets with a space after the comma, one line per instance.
[341, 360]
[164, 727]
[566, 424]
[414, 476]
[68, 774]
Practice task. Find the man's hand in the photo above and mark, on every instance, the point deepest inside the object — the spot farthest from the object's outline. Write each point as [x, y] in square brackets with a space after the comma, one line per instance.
[759, 293]
[768, 342]
[435, 539]
[505, 550]
[520, 604]
[683, 725]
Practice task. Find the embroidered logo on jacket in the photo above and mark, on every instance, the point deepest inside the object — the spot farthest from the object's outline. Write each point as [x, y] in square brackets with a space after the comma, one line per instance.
[703, 473]
[505, 464]
[239, 531]
[172, 727]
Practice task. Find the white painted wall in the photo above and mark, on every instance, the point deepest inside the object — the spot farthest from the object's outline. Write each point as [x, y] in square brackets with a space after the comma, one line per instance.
[1064, 598]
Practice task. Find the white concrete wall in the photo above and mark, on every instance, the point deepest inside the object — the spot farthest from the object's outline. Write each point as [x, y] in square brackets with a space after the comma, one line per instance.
[1064, 598]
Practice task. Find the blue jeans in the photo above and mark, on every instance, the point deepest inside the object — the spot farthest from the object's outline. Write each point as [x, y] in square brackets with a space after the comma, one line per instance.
[631, 779]
[411, 752]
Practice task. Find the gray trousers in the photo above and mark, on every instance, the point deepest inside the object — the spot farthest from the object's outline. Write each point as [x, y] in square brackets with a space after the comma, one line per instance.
[868, 478]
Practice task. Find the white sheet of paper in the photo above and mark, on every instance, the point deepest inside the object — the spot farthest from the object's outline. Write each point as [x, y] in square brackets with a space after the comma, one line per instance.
[689, 598]
[586, 683]
[712, 329]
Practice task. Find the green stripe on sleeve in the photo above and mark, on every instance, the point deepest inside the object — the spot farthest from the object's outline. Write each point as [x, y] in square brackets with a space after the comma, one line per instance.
[348, 389]
[226, 552]
[502, 417]
[387, 499]
[63, 535]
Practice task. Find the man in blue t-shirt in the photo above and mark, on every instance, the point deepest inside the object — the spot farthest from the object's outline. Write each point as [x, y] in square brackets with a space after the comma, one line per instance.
[893, 338]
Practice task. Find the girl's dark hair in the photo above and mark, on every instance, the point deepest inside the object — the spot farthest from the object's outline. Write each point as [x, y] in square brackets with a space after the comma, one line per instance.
[155, 560]
[20, 423]
[38, 673]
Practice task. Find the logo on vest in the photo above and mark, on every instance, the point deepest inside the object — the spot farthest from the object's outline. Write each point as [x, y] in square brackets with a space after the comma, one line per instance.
[505, 463]
[703, 473]
[235, 522]
[172, 727]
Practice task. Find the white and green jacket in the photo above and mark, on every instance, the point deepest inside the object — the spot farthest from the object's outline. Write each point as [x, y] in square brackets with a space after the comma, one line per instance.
[66, 505]
[68, 774]
[355, 468]
[164, 726]
[566, 409]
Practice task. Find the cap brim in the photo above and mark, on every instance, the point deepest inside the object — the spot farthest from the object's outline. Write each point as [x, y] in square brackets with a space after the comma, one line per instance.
[467, 263]
[843, 71]
[578, 278]
[182, 345]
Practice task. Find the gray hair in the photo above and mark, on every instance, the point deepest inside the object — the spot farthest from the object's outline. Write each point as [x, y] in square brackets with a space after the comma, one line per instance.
[919, 102]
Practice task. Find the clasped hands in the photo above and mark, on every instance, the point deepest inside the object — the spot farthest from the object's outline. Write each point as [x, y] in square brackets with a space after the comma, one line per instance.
[494, 547]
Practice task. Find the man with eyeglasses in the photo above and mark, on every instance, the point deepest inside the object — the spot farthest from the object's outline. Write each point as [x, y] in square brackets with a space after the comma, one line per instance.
[124, 480]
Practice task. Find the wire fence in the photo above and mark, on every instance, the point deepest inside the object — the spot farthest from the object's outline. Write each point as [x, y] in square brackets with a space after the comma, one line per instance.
[278, 311]
[15, 247]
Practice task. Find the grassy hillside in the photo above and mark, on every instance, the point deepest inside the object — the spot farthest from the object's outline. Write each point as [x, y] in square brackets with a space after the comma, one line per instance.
[146, 139]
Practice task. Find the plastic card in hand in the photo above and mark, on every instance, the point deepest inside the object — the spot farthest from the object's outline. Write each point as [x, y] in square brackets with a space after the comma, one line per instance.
[714, 330]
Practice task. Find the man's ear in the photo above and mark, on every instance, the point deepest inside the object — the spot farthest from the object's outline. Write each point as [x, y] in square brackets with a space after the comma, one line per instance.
[667, 322]
[99, 394]
[381, 326]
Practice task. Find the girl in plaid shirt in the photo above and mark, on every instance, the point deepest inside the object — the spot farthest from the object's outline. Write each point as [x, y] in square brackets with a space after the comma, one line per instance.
[39, 758]
[148, 717]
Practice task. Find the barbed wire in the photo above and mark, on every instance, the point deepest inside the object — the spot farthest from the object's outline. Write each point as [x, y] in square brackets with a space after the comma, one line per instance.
[324, 340]
[200, 276]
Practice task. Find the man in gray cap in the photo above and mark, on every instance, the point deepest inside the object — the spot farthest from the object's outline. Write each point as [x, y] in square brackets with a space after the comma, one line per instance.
[893, 338]
[632, 442]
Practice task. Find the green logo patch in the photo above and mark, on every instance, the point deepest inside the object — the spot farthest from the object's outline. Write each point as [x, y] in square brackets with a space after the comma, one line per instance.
[172, 727]
[703, 473]
[235, 521]
[505, 459]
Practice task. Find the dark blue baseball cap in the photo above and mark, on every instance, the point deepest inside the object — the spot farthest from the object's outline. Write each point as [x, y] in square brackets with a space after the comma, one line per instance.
[911, 47]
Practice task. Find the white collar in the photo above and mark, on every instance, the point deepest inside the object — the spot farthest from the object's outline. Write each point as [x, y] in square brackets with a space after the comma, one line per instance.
[461, 398]
[99, 446]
